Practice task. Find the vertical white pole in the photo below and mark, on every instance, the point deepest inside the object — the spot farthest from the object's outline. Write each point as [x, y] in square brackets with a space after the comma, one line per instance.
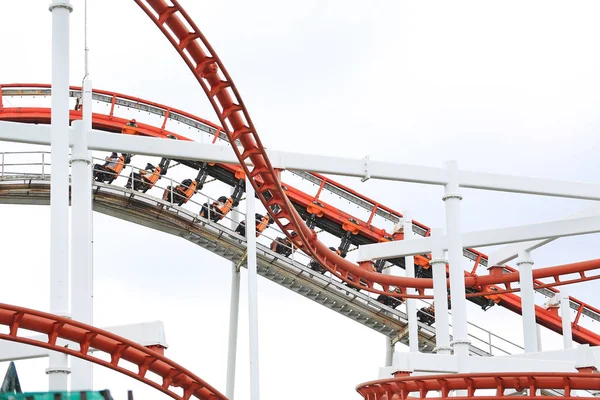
[58, 369]
[452, 198]
[411, 305]
[525, 264]
[440, 294]
[389, 347]
[252, 291]
[234, 309]
[565, 313]
[82, 285]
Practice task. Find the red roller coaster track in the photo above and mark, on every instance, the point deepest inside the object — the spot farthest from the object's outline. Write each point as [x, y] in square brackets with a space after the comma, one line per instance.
[172, 375]
[235, 120]
[198, 54]
[546, 318]
[399, 388]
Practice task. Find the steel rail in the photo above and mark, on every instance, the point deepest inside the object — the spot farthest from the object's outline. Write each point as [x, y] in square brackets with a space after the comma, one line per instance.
[210, 72]
[324, 183]
[400, 387]
[118, 348]
[114, 123]
[158, 214]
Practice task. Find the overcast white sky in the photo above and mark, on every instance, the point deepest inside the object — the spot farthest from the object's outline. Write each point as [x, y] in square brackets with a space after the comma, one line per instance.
[508, 87]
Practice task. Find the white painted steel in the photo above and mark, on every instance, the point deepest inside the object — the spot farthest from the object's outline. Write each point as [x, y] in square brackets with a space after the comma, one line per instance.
[452, 199]
[337, 297]
[234, 310]
[389, 351]
[390, 346]
[525, 264]
[411, 304]
[58, 369]
[82, 280]
[334, 165]
[491, 237]
[440, 295]
[252, 291]
[511, 251]
[565, 313]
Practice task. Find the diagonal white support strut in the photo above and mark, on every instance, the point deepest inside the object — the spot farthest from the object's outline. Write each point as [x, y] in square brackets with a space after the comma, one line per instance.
[511, 251]
[522, 233]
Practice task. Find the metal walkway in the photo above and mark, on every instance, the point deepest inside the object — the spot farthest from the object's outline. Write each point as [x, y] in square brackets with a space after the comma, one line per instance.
[160, 215]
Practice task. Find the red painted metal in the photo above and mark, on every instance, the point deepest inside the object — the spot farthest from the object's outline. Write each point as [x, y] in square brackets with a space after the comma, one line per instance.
[212, 75]
[479, 283]
[419, 386]
[174, 378]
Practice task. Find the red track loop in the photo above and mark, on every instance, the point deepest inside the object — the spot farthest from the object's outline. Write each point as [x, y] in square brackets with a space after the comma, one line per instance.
[173, 375]
[210, 72]
[420, 386]
[559, 274]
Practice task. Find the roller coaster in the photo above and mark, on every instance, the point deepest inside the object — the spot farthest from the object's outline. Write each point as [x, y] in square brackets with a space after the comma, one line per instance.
[289, 251]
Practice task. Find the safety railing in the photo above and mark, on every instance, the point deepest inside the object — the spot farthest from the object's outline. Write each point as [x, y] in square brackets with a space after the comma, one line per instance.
[24, 162]
[36, 165]
[324, 183]
[480, 337]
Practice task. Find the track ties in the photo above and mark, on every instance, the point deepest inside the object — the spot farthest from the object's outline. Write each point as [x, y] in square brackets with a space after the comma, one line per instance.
[215, 89]
[227, 112]
[203, 68]
[250, 152]
[118, 353]
[165, 15]
[84, 345]
[189, 38]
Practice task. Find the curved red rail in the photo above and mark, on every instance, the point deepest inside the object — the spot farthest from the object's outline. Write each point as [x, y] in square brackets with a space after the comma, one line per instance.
[420, 386]
[173, 375]
[198, 54]
[547, 318]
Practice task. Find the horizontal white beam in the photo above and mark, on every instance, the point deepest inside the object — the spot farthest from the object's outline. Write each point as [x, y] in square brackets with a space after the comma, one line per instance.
[522, 184]
[98, 140]
[145, 334]
[492, 237]
[511, 251]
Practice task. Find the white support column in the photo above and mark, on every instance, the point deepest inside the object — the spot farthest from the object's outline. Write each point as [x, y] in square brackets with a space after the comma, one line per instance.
[565, 313]
[252, 290]
[389, 352]
[234, 310]
[82, 280]
[390, 347]
[440, 295]
[452, 198]
[411, 304]
[525, 264]
[58, 369]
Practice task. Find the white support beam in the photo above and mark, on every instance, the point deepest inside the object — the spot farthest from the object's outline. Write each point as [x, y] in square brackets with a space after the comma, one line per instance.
[145, 334]
[511, 251]
[440, 295]
[411, 304]
[527, 185]
[234, 310]
[82, 271]
[530, 337]
[58, 369]
[319, 163]
[565, 315]
[492, 237]
[252, 291]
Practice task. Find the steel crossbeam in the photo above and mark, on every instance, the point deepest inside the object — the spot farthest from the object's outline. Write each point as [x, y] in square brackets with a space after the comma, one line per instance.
[97, 140]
